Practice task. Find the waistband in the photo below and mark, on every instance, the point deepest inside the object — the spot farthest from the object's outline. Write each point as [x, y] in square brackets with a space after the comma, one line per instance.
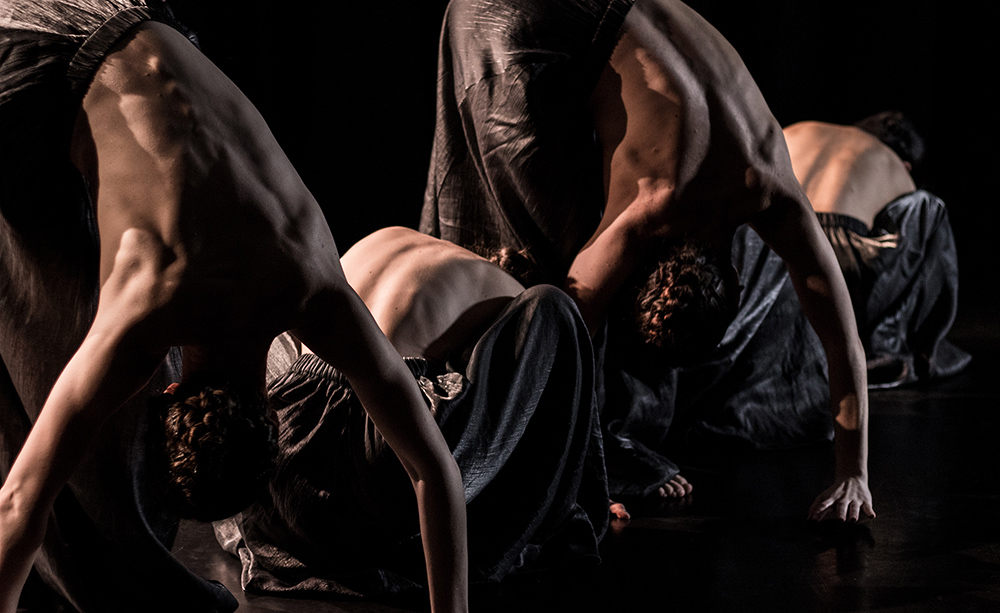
[837, 220]
[311, 365]
[96, 47]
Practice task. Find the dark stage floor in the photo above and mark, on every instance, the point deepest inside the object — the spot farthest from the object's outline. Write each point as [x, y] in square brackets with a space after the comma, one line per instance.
[741, 541]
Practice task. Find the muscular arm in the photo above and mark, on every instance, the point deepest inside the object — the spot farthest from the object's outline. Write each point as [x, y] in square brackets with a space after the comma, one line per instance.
[389, 393]
[790, 228]
[113, 362]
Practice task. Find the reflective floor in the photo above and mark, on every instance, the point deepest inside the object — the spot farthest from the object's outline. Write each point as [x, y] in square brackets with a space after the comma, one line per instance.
[740, 541]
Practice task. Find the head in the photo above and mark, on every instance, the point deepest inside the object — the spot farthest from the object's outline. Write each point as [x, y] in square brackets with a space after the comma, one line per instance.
[899, 134]
[687, 302]
[515, 262]
[220, 447]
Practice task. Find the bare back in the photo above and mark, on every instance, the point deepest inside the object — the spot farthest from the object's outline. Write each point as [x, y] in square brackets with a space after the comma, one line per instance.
[845, 169]
[201, 216]
[430, 297]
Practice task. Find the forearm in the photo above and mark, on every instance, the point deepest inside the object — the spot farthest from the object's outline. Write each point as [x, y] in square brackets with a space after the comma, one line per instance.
[437, 482]
[43, 466]
[22, 529]
[97, 380]
[826, 302]
[389, 393]
[793, 232]
[441, 504]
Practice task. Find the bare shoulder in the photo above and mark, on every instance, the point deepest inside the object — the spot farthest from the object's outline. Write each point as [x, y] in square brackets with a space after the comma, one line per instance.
[807, 130]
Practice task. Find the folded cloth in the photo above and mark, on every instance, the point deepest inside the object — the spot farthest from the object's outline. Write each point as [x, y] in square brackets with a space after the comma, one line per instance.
[521, 420]
[903, 279]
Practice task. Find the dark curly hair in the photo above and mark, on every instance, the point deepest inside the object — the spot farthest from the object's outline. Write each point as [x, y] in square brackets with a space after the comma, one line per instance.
[220, 448]
[686, 303]
[899, 133]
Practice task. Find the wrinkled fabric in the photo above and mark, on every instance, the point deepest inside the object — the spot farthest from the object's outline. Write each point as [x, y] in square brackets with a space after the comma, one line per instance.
[521, 422]
[903, 279]
[106, 546]
[764, 387]
[515, 162]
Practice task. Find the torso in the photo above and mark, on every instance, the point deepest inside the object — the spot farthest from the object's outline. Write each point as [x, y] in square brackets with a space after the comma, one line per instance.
[845, 170]
[191, 188]
[691, 136]
[430, 297]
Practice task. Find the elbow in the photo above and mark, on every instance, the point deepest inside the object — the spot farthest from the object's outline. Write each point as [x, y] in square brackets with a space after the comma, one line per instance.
[436, 471]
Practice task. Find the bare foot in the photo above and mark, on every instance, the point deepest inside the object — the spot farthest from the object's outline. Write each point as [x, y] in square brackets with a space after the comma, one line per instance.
[618, 510]
[677, 487]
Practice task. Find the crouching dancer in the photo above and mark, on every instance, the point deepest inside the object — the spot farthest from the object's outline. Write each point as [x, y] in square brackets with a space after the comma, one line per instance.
[508, 376]
[893, 242]
[208, 240]
[686, 152]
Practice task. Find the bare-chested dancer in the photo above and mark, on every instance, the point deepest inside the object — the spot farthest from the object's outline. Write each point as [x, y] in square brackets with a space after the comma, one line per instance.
[432, 297]
[509, 374]
[210, 241]
[690, 151]
[893, 242]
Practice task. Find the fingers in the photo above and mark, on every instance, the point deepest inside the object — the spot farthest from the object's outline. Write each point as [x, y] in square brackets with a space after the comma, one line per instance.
[868, 510]
[854, 510]
[842, 505]
[819, 507]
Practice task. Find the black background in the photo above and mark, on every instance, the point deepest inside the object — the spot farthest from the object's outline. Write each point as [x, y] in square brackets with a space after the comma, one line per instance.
[349, 92]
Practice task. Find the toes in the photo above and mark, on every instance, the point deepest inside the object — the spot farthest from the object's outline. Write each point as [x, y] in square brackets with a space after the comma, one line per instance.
[619, 510]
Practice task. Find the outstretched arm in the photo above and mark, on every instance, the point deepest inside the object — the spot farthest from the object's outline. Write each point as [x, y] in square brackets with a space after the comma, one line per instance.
[790, 228]
[110, 366]
[389, 393]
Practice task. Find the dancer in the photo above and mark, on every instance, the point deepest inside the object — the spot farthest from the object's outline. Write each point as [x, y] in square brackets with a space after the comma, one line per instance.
[686, 150]
[208, 241]
[508, 376]
[893, 242]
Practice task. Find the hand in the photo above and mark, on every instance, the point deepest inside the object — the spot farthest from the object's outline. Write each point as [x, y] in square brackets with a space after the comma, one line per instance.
[845, 500]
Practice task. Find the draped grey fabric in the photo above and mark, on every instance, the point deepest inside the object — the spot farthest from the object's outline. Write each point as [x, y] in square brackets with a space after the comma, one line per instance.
[765, 386]
[522, 424]
[515, 163]
[106, 547]
[904, 290]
